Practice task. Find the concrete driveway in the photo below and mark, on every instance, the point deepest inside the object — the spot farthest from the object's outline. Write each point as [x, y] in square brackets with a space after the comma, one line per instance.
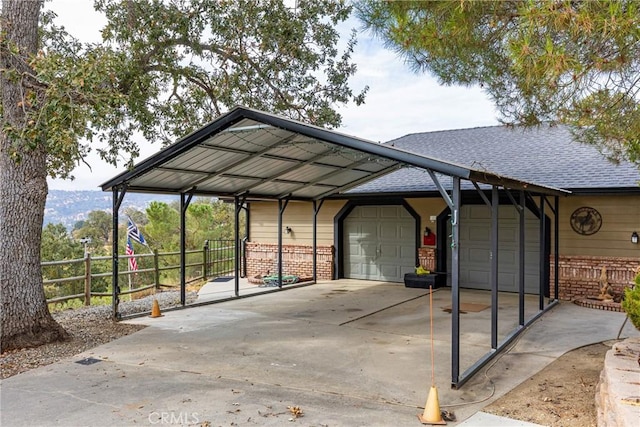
[348, 353]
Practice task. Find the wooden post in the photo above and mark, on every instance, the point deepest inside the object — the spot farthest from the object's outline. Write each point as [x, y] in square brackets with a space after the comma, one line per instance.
[156, 268]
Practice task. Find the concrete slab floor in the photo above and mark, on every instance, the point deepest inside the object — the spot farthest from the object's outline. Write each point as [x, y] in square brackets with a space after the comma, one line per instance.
[348, 353]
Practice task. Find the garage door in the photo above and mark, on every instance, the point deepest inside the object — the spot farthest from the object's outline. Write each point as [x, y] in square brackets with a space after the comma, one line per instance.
[379, 243]
[475, 249]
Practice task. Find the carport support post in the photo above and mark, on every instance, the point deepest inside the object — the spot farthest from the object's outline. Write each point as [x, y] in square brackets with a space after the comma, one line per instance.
[316, 209]
[521, 259]
[184, 204]
[543, 234]
[556, 247]
[495, 205]
[281, 207]
[115, 287]
[237, 204]
[455, 282]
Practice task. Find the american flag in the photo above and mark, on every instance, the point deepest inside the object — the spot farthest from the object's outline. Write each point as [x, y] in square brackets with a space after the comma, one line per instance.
[133, 264]
[134, 233]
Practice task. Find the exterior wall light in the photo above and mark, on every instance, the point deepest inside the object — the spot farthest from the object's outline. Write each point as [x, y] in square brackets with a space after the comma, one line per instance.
[288, 230]
[634, 238]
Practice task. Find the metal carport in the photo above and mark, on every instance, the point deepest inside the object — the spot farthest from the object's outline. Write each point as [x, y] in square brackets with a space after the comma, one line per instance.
[251, 155]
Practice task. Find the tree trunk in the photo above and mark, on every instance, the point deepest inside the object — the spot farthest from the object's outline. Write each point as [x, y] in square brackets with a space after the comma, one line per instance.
[25, 317]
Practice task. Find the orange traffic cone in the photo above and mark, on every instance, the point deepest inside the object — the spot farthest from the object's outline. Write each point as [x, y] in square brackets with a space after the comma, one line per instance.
[155, 310]
[432, 414]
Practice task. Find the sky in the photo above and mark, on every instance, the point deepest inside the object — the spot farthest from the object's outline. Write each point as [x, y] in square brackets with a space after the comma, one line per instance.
[399, 101]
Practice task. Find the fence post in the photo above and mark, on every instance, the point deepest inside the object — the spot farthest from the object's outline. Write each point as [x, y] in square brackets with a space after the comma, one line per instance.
[205, 251]
[87, 278]
[156, 268]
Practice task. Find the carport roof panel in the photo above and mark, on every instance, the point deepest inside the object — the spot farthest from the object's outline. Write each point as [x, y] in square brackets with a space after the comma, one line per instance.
[262, 155]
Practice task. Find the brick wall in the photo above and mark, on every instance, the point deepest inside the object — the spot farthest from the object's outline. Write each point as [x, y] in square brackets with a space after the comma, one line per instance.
[427, 258]
[580, 275]
[262, 259]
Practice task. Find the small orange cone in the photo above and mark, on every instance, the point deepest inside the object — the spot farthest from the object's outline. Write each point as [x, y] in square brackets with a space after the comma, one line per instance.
[155, 310]
[432, 414]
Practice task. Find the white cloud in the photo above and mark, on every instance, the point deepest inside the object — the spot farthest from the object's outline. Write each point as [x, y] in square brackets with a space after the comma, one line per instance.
[399, 101]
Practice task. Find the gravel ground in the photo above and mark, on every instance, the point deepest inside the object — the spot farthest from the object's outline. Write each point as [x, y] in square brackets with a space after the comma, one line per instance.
[89, 327]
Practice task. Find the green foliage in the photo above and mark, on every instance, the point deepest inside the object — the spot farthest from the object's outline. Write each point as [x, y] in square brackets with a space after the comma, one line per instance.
[166, 68]
[58, 245]
[207, 219]
[631, 302]
[97, 226]
[545, 61]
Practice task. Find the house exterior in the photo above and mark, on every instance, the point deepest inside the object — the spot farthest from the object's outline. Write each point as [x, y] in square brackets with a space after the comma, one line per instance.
[382, 229]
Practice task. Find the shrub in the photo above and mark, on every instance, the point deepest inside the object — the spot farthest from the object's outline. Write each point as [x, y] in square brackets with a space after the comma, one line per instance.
[631, 302]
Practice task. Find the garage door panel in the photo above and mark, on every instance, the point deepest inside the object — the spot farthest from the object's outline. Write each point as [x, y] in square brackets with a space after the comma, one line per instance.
[507, 259]
[379, 243]
[408, 233]
[407, 252]
[481, 212]
[390, 212]
[389, 251]
[389, 271]
[367, 212]
[507, 282]
[479, 255]
[475, 248]
[507, 235]
[390, 232]
[478, 233]
[478, 278]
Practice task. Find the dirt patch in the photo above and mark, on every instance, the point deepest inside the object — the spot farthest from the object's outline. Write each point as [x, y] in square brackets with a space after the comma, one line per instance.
[561, 395]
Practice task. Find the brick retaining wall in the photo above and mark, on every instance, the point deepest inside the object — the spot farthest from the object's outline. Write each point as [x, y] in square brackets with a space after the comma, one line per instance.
[580, 275]
[262, 259]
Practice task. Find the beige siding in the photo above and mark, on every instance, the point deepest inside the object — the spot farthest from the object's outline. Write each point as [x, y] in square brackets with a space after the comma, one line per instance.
[298, 216]
[620, 217]
[427, 208]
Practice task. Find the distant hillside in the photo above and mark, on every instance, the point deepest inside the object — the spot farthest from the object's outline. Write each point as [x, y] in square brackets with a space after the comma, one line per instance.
[68, 207]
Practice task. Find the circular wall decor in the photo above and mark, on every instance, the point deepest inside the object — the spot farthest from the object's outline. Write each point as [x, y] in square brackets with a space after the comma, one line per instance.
[586, 221]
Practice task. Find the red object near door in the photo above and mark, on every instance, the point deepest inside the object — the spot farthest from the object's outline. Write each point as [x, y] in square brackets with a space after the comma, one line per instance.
[429, 238]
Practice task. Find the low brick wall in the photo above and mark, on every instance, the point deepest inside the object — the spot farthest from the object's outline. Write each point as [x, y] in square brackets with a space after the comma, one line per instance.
[579, 276]
[262, 259]
[427, 258]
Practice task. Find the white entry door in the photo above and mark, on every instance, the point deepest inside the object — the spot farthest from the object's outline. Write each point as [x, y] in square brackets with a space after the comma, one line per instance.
[379, 243]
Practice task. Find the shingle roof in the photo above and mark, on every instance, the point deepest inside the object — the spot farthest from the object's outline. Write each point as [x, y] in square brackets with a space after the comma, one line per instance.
[546, 155]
